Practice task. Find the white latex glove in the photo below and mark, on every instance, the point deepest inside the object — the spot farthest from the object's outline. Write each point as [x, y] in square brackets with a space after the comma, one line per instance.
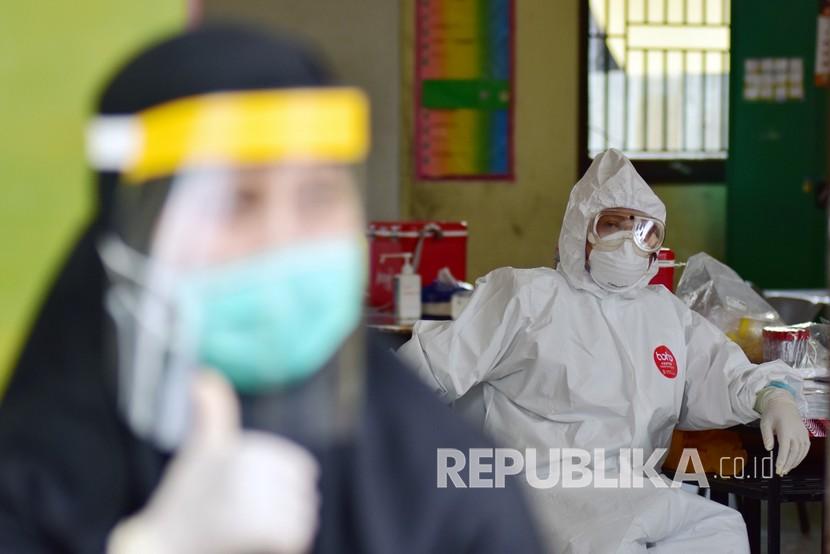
[780, 417]
[227, 490]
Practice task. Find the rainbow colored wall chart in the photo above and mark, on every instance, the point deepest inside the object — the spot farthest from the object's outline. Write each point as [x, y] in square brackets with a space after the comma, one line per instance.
[464, 96]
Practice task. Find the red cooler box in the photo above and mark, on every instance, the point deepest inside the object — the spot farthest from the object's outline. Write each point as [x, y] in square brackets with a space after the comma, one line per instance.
[434, 245]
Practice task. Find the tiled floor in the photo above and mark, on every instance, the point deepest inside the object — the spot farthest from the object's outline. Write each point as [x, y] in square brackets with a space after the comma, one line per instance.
[792, 541]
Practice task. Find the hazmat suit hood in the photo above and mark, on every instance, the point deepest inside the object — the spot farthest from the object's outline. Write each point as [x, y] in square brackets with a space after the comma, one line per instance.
[610, 182]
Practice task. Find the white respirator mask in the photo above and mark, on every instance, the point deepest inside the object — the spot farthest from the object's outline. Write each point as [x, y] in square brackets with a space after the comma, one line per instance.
[620, 269]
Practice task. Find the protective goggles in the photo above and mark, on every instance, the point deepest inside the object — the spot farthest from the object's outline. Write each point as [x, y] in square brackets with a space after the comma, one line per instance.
[327, 124]
[610, 228]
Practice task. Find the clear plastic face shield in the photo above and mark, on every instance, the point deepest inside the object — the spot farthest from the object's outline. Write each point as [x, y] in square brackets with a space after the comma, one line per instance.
[610, 228]
[237, 247]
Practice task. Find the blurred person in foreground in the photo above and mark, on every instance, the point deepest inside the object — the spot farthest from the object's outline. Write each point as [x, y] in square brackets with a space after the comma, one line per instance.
[198, 379]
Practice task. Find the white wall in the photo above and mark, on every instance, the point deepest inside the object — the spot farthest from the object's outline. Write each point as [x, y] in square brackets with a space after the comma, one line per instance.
[361, 41]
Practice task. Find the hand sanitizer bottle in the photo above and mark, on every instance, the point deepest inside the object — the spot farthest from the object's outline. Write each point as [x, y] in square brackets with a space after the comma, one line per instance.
[407, 289]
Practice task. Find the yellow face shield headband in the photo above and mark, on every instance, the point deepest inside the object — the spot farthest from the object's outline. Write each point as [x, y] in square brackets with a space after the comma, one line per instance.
[211, 130]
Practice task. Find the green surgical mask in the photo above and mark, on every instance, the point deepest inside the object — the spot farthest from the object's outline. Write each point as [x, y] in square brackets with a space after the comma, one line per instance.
[277, 318]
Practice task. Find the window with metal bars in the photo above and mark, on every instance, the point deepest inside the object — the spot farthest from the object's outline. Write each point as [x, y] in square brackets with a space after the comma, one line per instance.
[655, 84]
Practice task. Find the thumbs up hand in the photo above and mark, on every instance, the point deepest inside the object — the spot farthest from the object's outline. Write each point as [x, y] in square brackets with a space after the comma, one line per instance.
[227, 490]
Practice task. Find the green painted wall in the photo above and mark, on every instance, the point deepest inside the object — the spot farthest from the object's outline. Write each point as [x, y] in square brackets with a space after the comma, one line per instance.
[777, 147]
[54, 56]
[696, 218]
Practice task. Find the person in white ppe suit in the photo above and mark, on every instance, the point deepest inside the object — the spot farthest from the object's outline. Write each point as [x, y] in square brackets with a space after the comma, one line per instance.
[588, 356]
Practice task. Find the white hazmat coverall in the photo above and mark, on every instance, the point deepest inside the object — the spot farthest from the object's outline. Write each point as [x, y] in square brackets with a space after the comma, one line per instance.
[565, 364]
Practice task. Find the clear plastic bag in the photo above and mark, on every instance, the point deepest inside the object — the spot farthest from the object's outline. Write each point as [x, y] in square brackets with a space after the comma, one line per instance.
[718, 293]
[818, 352]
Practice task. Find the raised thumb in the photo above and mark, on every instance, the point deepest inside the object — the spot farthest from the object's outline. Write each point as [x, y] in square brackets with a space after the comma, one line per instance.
[215, 411]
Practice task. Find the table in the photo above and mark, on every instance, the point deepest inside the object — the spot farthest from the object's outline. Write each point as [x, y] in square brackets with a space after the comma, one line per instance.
[804, 484]
[392, 332]
[795, 487]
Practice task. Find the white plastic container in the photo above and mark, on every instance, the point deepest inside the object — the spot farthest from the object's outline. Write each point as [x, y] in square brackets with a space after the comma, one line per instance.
[407, 289]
